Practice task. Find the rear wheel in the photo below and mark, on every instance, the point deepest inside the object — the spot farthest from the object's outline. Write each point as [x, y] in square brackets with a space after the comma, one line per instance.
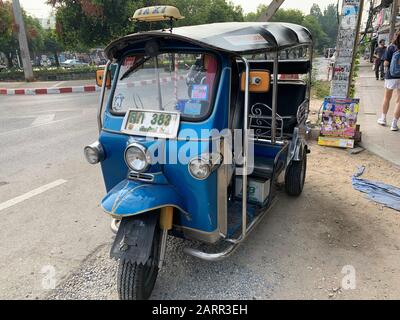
[136, 281]
[296, 175]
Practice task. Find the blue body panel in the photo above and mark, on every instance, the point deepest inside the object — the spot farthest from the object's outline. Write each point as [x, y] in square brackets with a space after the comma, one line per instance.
[197, 199]
[129, 198]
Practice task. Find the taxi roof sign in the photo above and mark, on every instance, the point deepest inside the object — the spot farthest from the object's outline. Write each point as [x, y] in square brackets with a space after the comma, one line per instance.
[157, 13]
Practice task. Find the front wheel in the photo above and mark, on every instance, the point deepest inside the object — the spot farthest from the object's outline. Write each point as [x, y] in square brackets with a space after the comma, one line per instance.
[296, 175]
[136, 281]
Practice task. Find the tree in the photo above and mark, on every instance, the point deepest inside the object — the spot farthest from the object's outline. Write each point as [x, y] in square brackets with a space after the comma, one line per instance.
[206, 11]
[289, 15]
[83, 24]
[52, 45]
[6, 22]
[329, 23]
[9, 36]
[319, 36]
[35, 34]
[323, 26]
[316, 12]
[255, 16]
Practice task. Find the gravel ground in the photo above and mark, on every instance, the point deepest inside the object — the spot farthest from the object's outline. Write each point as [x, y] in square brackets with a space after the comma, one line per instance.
[96, 278]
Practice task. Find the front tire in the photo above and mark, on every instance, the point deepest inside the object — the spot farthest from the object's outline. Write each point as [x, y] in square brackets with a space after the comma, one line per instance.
[296, 176]
[136, 282]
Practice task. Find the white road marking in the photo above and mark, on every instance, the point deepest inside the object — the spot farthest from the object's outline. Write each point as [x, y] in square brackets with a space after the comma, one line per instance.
[58, 84]
[44, 118]
[31, 194]
[39, 125]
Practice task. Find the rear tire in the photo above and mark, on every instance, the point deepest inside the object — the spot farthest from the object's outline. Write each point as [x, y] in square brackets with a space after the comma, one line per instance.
[296, 176]
[136, 282]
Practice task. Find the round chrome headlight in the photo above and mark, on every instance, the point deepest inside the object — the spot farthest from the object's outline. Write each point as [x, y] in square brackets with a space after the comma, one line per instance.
[199, 168]
[136, 157]
[94, 153]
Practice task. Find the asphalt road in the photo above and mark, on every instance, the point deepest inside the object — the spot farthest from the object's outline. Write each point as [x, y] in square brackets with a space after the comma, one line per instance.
[53, 228]
[41, 142]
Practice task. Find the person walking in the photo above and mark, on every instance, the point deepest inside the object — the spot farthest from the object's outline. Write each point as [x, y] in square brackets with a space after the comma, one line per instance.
[379, 63]
[391, 83]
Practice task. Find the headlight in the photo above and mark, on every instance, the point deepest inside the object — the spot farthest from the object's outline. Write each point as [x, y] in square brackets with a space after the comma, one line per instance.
[94, 153]
[199, 168]
[202, 166]
[136, 158]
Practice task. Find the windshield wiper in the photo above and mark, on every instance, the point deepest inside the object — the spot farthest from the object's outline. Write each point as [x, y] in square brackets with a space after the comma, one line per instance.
[134, 67]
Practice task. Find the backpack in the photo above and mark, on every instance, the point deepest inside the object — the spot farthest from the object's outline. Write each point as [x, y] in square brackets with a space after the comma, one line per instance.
[395, 65]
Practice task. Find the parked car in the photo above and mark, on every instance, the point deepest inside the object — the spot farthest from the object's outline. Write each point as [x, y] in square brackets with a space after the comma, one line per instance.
[72, 63]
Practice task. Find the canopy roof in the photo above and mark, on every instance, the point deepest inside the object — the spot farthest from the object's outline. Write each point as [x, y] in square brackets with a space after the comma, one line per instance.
[236, 37]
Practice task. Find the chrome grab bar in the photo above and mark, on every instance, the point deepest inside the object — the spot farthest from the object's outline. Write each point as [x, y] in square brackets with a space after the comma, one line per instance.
[245, 148]
[234, 242]
[101, 99]
[274, 98]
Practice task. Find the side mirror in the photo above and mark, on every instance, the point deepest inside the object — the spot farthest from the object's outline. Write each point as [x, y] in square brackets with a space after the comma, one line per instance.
[100, 77]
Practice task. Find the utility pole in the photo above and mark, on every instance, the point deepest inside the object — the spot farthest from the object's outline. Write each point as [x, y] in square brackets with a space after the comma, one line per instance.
[393, 19]
[272, 8]
[346, 47]
[23, 42]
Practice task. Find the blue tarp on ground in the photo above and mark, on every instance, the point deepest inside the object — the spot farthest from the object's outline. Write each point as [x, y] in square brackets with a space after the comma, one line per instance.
[379, 192]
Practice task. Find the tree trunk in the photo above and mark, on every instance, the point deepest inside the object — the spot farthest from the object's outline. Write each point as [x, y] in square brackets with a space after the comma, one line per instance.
[56, 59]
[10, 61]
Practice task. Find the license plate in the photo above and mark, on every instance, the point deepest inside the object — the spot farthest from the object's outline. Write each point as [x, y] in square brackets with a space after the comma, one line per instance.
[161, 124]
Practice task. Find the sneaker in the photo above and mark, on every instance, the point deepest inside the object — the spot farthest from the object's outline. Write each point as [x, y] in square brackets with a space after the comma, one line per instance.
[394, 126]
[382, 121]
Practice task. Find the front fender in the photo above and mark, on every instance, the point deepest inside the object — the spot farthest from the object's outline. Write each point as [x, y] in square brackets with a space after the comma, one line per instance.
[129, 198]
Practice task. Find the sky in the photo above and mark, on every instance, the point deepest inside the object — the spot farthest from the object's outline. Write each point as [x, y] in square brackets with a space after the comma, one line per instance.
[39, 9]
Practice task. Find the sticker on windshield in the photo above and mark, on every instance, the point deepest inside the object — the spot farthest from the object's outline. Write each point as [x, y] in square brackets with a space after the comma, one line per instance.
[246, 39]
[129, 61]
[192, 108]
[118, 100]
[200, 92]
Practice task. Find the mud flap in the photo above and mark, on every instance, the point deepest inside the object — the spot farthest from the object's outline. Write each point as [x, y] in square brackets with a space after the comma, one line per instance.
[134, 238]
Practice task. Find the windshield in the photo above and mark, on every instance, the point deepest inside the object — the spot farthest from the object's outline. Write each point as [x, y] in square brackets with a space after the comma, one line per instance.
[166, 82]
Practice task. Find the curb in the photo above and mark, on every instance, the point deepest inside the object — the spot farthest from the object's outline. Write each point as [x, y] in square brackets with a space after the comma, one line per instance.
[32, 91]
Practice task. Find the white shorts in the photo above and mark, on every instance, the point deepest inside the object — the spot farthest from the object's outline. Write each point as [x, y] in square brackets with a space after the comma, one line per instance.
[392, 84]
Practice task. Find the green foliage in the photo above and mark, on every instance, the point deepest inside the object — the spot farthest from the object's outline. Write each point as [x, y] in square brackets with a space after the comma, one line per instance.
[320, 89]
[322, 25]
[34, 33]
[9, 37]
[206, 11]
[329, 23]
[84, 24]
[42, 73]
[289, 15]
[319, 36]
[52, 45]
[5, 23]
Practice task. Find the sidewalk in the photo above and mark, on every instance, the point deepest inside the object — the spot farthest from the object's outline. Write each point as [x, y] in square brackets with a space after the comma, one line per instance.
[377, 139]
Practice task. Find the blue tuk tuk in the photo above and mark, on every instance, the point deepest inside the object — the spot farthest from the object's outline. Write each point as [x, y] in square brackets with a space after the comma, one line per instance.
[180, 101]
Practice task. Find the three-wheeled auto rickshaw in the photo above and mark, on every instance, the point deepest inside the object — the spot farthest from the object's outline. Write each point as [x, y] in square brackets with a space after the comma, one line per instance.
[194, 116]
